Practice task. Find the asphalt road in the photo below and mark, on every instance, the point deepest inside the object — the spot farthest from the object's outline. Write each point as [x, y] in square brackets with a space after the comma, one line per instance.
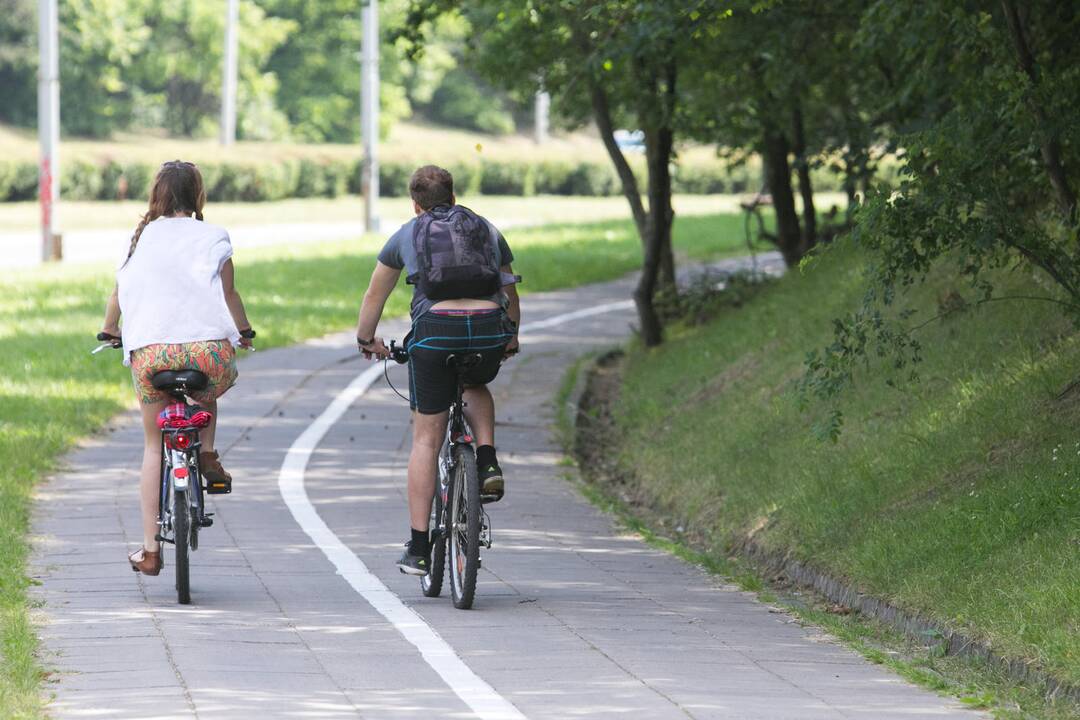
[299, 611]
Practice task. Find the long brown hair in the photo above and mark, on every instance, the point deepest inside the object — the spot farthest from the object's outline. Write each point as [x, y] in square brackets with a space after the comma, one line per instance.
[178, 188]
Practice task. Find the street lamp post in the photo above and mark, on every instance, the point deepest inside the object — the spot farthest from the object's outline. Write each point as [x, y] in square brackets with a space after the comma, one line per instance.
[228, 83]
[541, 112]
[49, 128]
[369, 113]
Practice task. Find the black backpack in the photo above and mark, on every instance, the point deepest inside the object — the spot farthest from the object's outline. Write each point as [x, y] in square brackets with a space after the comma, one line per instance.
[455, 255]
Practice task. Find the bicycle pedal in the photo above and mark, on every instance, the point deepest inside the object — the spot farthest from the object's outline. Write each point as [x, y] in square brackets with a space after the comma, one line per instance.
[206, 522]
[219, 487]
[159, 538]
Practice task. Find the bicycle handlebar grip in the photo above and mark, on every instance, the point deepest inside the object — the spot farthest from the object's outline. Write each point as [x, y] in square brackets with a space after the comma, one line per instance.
[400, 354]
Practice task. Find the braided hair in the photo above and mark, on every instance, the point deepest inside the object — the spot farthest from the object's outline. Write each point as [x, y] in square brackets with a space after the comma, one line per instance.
[178, 189]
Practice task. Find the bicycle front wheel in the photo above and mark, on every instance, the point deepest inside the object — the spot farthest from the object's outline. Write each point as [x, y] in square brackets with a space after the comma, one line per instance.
[181, 521]
[464, 527]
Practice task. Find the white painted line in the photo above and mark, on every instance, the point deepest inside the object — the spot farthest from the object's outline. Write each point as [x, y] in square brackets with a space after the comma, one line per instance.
[577, 315]
[473, 691]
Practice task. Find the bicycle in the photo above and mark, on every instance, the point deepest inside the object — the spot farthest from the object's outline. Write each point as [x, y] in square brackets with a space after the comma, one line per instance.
[458, 526]
[181, 510]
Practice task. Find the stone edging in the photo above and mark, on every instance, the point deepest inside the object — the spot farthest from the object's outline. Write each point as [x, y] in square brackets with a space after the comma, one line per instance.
[846, 595]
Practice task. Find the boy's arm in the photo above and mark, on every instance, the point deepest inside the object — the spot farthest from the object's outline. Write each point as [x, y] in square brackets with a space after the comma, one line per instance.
[513, 308]
[383, 281]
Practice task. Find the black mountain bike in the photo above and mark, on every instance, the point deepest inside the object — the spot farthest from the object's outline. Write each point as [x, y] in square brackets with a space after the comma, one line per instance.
[181, 511]
[459, 526]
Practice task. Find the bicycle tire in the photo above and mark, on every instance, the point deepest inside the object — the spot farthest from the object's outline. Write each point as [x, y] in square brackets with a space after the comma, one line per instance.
[431, 584]
[464, 542]
[181, 512]
[196, 488]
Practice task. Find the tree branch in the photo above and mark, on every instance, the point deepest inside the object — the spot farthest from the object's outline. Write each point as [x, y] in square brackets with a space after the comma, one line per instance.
[1049, 144]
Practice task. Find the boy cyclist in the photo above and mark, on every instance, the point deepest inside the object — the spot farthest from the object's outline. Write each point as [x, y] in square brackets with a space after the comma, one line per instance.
[464, 300]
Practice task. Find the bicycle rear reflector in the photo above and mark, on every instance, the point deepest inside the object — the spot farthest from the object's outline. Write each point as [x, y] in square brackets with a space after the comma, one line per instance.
[179, 441]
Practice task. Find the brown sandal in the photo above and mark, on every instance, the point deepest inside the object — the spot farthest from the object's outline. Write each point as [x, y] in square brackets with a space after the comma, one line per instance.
[150, 564]
[218, 481]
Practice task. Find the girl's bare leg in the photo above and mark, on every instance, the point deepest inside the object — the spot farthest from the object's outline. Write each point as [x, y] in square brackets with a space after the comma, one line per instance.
[206, 435]
[149, 480]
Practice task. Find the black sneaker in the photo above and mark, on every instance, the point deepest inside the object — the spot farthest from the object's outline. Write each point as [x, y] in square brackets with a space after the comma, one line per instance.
[413, 564]
[491, 482]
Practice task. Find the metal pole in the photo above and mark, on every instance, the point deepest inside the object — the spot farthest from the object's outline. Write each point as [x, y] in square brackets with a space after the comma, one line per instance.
[369, 113]
[49, 128]
[228, 83]
[542, 110]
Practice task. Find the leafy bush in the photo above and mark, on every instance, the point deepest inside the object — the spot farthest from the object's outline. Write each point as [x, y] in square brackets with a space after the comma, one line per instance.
[80, 180]
[393, 178]
[552, 177]
[467, 178]
[592, 179]
[328, 177]
[507, 178]
[310, 181]
[18, 181]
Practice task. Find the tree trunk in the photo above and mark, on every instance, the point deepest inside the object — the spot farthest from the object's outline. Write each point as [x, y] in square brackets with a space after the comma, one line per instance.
[1050, 143]
[658, 146]
[778, 175]
[602, 117]
[667, 263]
[809, 228]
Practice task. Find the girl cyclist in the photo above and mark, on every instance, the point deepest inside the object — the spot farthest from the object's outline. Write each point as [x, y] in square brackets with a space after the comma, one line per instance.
[181, 311]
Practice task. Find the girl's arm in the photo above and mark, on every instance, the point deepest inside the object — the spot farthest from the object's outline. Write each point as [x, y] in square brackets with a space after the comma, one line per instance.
[232, 299]
[111, 325]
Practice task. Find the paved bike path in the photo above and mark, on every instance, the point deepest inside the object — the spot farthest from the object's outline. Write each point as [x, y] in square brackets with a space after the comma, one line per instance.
[572, 618]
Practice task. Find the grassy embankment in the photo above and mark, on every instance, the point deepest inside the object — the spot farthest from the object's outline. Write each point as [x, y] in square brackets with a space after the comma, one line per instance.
[52, 391]
[956, 497]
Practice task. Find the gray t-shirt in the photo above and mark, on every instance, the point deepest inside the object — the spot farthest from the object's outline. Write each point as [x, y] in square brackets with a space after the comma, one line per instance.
[399, 253]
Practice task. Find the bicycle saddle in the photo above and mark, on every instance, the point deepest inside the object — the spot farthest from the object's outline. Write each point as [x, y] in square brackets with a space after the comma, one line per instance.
[463, 362]
[180, 379]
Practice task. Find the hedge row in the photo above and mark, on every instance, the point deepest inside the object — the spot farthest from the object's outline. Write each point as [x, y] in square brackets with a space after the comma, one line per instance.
[238, 182]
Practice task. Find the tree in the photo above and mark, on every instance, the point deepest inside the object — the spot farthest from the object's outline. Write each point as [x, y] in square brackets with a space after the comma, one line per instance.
[991, 164]
[616, 63]
[18, 61]
[776, 79]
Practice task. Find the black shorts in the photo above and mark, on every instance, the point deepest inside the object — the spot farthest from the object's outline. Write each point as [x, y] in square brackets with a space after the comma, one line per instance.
[435, 336]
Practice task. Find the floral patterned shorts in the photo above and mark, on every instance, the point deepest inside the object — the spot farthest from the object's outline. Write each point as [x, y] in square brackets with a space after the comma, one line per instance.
[216, 358]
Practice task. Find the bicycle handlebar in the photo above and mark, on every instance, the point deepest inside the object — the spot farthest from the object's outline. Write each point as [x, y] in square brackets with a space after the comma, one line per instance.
[107, 341]
[399, 354]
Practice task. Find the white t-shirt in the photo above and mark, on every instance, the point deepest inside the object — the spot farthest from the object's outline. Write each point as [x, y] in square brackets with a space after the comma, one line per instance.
[170, 289]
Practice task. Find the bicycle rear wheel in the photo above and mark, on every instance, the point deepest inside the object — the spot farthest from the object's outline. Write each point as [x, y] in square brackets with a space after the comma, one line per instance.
[464, 527]
[181, 522]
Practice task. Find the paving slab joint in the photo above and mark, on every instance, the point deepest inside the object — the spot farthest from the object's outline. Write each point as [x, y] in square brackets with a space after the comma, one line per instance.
[590, 429]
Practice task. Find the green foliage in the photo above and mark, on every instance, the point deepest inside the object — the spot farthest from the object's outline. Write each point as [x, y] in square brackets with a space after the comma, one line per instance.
[507, 178]
[18, 181]
[978, 188]
[462, 101]
[310, 177]
[957, 499]
[18, 61]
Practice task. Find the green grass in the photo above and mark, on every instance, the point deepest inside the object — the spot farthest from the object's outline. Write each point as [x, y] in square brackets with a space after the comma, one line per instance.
[537, 210]
[957, 497]
[52, 391]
